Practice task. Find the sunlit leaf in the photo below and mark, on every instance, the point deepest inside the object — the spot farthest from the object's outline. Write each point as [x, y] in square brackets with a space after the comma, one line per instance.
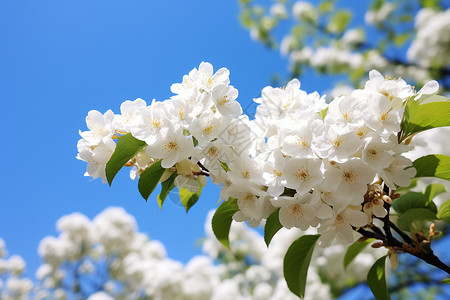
[189, 198]
[424, 114]
[444, 211]
[433, 166]
[376, 279]
[127, 147]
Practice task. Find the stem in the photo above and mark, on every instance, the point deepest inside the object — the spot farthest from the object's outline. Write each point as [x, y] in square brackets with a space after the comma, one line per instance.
[412, 247]
[404, 236]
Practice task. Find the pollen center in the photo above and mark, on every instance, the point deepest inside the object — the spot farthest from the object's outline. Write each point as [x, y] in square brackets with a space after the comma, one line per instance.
[350, 177]
[302, 174]
[171, 146]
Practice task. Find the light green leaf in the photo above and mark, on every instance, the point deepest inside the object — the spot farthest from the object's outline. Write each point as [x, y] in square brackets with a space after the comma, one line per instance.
[445, 281]
[433, 190]
[296, 263]
[272, 226]
[166, 187]
[415, 216]
[400, 39]
[424, 114]
[339, 21]
[221, 221]
[149, 179]
[376, 279]
[323, 113]
[444, 211]
[127, 147]
[354, 249]
[412, 200]
[188, 198]
[224, 166]
[433, 166]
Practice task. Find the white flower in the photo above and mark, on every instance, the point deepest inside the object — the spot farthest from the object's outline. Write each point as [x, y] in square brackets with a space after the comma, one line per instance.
[345, 113]
[151, 123]
[375, 153]
[341, 226]
[350, 179]
[207, 127]
[295, 211]
[400, 172]
[101, 127]
[224, 97]
[273, 172]
[96, 158]
[172, 147]
[336, 147]
[303, 174]
[128, 110]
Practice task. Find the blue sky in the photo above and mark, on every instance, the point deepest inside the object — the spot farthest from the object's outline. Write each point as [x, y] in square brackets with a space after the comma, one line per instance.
[60, 59]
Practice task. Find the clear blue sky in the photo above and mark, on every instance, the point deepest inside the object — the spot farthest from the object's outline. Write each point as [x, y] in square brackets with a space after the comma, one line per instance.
[60, 59]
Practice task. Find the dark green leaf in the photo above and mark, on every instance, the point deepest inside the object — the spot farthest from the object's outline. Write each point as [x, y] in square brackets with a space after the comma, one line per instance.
[415, 216]
[149, 179]
[296, 263]
[272, 226]
[166, 187]
[188, 198]
[221, 221]
[412, 200]
[424, 114]
[376, 279]
[354, 249]
[433, 166]
[444, 211]
[127, 147]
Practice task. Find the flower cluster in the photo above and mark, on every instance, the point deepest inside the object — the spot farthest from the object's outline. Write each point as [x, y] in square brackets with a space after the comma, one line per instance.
[12, 284]
[319, 163]
[108, 258]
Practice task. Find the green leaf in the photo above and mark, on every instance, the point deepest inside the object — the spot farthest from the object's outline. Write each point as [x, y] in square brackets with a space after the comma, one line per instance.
[189, 198]
[166, 187]
[433, 190]
[149, 179]
[339, 21]
[424, 114]
[127, 147]
[354, 249]
[415, 216]
[296, 263]
[402, 38]
[444, 211]
[272, 226]
[224, 166]
[221, 221]
[412, 200]
[405, 189]
[323, 113]
[445, 281]
[376, 279]
[433, 166]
